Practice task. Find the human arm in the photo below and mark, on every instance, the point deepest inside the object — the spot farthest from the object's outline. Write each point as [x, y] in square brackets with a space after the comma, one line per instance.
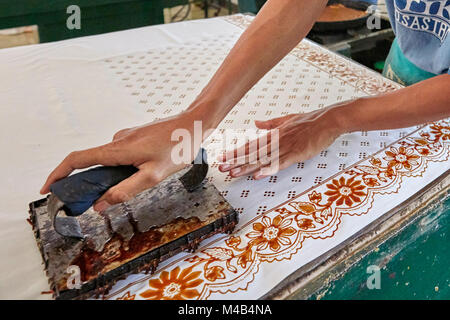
[278, 27]
[302, 136]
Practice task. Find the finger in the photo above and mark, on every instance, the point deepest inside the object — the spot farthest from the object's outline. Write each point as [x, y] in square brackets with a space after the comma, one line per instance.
[250, 168]
[272, 123]
[127, 189]
[249, 159]
[120, 134]
[248, 147]
[75, 160]
[245, 170]
[273, 168]
[240, 152]
[237, 162]
[267, 151]
[250, 151]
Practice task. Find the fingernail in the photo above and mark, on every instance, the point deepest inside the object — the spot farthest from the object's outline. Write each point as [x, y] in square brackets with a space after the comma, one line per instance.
[235, 171]
[266, 171]
[225, 167]
[44, 190]
[101, 206]
[258, 175]
[262, 173]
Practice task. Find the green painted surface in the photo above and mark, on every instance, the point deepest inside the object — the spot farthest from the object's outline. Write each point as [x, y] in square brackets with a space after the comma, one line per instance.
[414, 264]
[250, 6]
[97, 16]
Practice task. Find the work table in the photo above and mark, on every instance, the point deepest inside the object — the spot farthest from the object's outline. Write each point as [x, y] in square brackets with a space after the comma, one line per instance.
[74, 94]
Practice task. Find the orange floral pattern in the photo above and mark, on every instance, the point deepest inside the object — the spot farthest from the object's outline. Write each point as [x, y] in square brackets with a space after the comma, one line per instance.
[342, 191]
[275, 237]
[401, 158]
[360, 78]
[229, 264]
[127, 296]
[440, 131]
[175, 285]
[272, 234]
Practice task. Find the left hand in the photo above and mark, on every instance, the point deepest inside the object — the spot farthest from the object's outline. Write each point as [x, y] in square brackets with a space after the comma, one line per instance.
[301, 137]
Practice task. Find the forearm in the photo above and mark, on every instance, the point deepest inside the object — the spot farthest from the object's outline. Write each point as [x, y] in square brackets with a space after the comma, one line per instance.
[420, 103]
[278, 27]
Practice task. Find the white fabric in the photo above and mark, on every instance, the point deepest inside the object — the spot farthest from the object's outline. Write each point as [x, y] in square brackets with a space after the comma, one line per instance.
[69, 95]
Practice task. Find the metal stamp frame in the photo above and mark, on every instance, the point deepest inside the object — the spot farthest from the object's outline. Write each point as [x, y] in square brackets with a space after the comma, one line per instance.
[147, 262]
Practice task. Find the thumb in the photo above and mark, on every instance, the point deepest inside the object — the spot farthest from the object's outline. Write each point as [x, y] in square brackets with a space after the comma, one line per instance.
[126, 190]
[272, 123]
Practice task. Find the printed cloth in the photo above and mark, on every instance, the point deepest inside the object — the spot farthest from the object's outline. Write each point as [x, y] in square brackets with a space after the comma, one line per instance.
[70, 95]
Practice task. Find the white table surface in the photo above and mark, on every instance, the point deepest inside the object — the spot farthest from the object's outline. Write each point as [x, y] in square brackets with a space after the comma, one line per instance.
[69, 95]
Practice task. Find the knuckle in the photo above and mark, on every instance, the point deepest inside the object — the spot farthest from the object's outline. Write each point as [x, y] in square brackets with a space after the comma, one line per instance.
[71, 157]
[111, 152]
[153, 176]
[120, 133]
[116, 195]
[114, 146]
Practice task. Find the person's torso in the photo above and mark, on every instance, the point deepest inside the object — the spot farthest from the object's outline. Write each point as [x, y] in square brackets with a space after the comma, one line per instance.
[422, 28]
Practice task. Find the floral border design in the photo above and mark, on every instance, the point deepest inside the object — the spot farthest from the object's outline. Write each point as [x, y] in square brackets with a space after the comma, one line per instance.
[278, 234]
[338, 66]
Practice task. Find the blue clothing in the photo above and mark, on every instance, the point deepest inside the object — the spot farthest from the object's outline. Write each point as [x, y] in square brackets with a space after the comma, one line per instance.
[421, 28]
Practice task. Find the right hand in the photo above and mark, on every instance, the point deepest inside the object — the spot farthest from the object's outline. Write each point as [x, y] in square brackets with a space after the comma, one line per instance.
[146, 147]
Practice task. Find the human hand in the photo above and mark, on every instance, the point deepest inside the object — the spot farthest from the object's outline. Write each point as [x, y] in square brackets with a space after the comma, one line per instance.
[300, 137]
[148, 148]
